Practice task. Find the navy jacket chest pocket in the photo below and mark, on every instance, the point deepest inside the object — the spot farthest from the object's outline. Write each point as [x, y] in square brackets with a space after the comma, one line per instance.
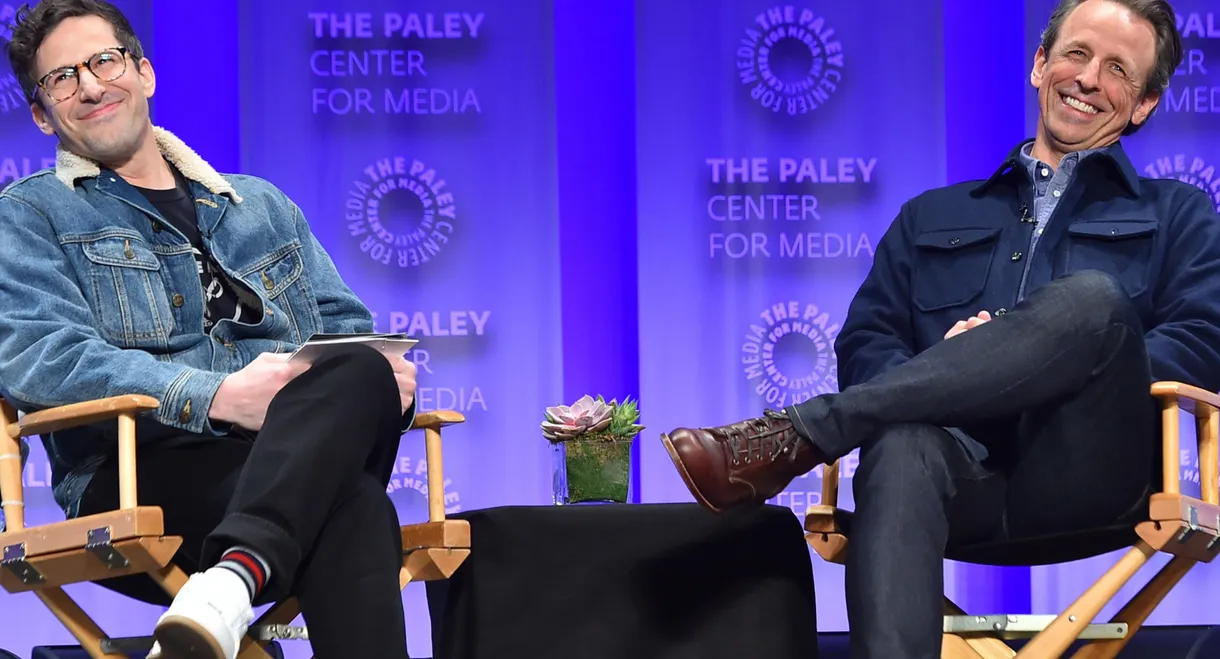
[1120, 248]
[950, 266]
[127, 292]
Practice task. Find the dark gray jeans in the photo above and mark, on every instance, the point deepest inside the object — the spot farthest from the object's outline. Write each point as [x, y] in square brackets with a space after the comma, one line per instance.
[1057, 390]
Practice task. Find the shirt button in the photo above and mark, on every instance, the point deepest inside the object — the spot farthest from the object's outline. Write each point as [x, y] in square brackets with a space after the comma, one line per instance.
[177, 299]
[1001, 311]
[1016, 256]
[955, 241]
[1056, 193]
[1046, 172]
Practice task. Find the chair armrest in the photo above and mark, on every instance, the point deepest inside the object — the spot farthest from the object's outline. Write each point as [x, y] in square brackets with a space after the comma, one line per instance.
[80, 414]
[1187, 397]
[1205, 406]
[12, 498]
[830, 485]
[431, 423]
[437, 419]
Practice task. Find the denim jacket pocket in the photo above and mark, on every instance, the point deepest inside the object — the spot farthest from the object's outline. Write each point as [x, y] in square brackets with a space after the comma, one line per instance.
[124, 285]
[279, 278]
[1119, 248]
[951, 266]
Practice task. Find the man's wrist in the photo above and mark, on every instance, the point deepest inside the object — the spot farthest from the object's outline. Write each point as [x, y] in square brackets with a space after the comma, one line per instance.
[221, 408]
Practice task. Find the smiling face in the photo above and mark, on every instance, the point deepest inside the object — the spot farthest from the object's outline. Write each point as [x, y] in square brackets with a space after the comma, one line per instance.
[107, 121]
[1091, 84]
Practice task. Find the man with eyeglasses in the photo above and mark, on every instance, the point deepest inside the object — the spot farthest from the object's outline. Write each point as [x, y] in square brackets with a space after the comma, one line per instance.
[133, 267]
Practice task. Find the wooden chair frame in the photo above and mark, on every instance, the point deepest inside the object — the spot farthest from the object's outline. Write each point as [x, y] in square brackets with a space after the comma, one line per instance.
[1184, 527]
[132, 540]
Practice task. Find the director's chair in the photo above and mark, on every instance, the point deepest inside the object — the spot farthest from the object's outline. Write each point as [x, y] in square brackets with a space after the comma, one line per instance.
[1185, 527]
[42, 559]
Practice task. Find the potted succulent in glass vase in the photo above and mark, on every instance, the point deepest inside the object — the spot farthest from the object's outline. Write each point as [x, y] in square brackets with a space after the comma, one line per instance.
[591, 442]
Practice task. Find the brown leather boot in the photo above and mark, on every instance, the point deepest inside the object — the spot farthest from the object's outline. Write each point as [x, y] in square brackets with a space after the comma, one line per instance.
[743, 463]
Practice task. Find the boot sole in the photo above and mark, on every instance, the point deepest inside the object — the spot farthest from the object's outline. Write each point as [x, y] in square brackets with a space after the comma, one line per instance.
[183, 638]
[690, 484]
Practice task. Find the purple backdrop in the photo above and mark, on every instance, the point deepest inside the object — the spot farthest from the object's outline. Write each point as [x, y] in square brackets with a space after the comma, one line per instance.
[768, 170]
[612, 199]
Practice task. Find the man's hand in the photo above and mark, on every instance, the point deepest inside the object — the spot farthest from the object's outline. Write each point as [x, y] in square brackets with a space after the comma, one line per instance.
[243, 397]
[404, 373]
[971, 323]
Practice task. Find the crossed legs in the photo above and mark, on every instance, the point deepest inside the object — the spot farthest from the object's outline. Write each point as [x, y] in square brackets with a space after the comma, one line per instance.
[1054, 393]
[308, 495]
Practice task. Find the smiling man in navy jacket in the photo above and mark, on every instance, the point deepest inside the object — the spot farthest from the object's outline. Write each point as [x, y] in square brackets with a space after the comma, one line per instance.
[994, 367]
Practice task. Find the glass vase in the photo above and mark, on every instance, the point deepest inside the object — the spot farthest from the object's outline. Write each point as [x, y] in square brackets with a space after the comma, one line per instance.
[590, 472]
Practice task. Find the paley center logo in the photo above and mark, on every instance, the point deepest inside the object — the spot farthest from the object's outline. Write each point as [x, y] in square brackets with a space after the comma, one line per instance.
[1190, 169]
[408, 489]
[790, 60]
[788, 353]
[402, 212]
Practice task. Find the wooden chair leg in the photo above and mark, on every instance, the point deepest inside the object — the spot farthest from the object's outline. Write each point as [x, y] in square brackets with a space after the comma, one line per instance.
[987, 646]
[251, 650]
[280, 614]
[171, 579]
[1067, 627]
[77, 622]
[956, 647]
[1136, 612]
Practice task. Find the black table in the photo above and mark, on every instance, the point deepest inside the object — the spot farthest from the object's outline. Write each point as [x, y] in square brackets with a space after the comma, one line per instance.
[647, 581]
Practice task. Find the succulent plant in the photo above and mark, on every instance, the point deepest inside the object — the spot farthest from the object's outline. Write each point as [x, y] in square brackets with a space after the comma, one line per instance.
[584, 417]
[592, 419]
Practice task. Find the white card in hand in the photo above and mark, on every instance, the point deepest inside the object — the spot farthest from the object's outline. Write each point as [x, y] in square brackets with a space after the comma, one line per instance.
[320, 345]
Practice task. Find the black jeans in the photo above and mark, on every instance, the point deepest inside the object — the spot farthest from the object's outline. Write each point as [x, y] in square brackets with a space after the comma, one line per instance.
[308, 493]
[1057, 390]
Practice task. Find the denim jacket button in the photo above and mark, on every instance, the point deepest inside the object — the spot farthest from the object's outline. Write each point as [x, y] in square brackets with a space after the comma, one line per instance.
[185, 415]
[177, 300]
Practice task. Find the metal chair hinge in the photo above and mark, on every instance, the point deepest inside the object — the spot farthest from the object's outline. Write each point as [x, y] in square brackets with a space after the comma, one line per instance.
[14, 561]
[1193, 525]
[280, 633]
[1012, 627]
[98, 544]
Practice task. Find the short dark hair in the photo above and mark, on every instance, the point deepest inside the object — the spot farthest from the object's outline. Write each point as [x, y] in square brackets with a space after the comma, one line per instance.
[33, 23]
[1168, 41]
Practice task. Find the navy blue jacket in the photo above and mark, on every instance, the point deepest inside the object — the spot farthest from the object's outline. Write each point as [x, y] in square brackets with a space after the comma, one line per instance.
[957, 250]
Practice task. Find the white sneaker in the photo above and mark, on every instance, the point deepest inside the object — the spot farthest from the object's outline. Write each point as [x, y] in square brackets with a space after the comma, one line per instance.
[208, 618]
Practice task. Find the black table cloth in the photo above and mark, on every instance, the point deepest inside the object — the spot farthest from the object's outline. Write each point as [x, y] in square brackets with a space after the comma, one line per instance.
[664, 581]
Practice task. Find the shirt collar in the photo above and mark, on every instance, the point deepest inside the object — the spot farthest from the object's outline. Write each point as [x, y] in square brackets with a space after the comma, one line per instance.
[1020, 160]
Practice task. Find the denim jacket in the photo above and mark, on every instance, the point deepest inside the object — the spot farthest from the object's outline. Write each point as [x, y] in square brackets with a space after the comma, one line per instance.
[956, 250]
[100, 296]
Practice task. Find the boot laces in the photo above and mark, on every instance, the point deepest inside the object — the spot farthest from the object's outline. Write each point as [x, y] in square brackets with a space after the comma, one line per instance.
[758, 440]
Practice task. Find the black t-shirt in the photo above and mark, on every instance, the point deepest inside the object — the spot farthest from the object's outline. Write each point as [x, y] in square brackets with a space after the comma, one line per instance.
[223, 298]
